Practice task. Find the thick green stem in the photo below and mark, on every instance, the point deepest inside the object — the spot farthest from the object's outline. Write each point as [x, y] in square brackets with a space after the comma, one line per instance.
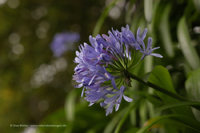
[171, 94]
[160, 89]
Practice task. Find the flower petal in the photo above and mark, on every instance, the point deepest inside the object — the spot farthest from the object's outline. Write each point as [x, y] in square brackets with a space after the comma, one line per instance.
[111, 99]
[117, 107]
[144, 34]
[114, 84]
[156, 55]
[82, 91]
[127, 98]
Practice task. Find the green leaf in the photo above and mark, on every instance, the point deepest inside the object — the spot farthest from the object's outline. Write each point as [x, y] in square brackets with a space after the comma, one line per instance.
[86, 117]
[111, 125]
[103, 17]
[153, 121]
[187, 121]
[134, 23]
[129, 11]
[148, 5]
[197, 4]
[143, 111]
[133, 130]
[187, 68]
[192, 88]
[192, 85]
[133, 105]
[167, 106]
[165, 33]
[184, 120]
[146, 77]
[156, 87]
[161, 77]
[70, 106]
[154, 100]
[55, 118]
[188, 50]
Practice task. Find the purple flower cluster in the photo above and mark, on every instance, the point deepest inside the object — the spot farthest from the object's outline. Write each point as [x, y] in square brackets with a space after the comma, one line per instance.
[101, 65]
[63, 42]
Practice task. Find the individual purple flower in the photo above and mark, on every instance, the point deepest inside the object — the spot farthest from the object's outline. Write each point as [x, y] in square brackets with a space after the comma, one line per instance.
[105, 63]
[148, 50]
[63, 42]
[115, 100]
[127, 37]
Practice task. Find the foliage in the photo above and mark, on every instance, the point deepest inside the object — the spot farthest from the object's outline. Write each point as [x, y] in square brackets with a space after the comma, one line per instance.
[36, 88]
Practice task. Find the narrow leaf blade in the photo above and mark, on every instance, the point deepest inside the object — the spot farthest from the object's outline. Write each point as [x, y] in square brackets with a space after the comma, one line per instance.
[148, 5]
[188, 50]
[167, 106]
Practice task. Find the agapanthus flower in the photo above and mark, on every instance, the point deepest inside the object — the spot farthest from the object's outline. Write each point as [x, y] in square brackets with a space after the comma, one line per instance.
[149, 49]
[102, 66]
[63, 42]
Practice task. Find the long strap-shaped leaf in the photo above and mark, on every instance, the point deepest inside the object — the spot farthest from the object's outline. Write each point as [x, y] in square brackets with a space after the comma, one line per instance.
[112, 124]
[186, 121]
[102, 18]
[133, 105]
[190, 103]
[188, 50]
[148, 7]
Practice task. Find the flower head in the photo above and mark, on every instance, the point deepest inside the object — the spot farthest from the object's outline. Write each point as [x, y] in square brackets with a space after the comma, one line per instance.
[63, 42]
[101, 68]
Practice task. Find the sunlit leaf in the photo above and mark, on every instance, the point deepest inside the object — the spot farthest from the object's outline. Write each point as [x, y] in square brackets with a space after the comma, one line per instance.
[197, 4]
[188, 50]
[165, 33]
[148, 5]
[70, 105]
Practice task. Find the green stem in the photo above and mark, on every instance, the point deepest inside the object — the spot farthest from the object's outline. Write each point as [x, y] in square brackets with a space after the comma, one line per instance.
[160, 89]
[134, 65]
[171, 94]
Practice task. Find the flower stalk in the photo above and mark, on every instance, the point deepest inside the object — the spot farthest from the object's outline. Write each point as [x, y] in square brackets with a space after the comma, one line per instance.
[158, 88]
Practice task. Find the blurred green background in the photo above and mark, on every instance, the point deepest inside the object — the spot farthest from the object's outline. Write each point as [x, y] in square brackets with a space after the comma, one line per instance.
[37, 88]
